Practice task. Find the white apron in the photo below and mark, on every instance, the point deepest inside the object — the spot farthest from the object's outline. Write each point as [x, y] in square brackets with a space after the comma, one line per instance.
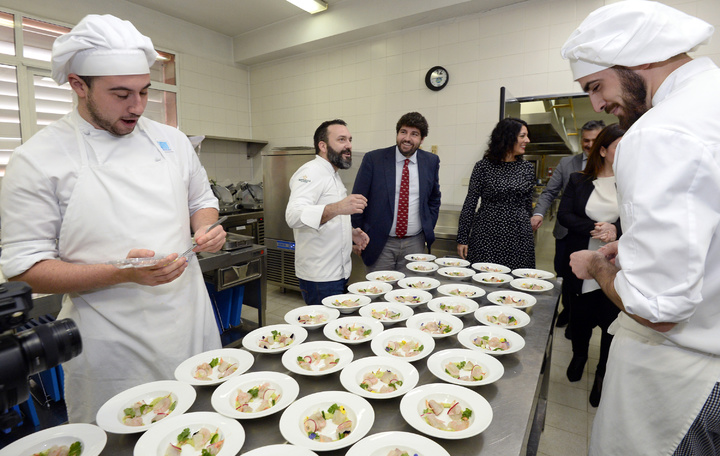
[652, 392]
[131, 334]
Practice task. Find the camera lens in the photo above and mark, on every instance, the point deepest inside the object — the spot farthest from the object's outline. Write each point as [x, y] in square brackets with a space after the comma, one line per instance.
[50, 344]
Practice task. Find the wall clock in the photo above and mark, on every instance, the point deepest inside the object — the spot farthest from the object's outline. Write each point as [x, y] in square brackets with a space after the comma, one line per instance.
[436, 78]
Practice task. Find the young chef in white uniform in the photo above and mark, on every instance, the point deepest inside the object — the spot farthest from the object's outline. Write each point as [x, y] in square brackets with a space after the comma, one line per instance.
[660, 395]
[92, 187]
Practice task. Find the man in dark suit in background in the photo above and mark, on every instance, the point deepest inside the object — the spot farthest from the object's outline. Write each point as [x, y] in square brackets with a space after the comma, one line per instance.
[402, 187]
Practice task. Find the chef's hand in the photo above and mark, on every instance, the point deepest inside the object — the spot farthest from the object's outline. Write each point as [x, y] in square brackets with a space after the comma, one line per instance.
[353, 204]
[210, 241]
[610, 251]
[167, 270]
[580, 263]
[360, 239]
[536, 221]
[605, 232]
[462, 250]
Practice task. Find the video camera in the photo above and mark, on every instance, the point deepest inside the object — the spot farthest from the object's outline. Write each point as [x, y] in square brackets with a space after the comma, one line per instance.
[31, 351]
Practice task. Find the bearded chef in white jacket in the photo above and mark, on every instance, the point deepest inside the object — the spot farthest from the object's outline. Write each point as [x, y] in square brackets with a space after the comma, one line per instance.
[661, 394]
[100, 184]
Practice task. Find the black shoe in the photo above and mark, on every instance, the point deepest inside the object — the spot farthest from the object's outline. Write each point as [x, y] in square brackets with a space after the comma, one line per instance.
[596, 390]
[563, 319]
[576, 368]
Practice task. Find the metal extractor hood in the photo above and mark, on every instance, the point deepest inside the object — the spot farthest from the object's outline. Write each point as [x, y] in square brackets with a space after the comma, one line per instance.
[548, 134]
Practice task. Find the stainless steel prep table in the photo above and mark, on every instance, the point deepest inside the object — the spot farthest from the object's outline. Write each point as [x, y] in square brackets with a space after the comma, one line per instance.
[517, 399]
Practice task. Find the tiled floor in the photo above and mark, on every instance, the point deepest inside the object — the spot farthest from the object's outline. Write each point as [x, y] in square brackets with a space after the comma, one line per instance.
[569, 415]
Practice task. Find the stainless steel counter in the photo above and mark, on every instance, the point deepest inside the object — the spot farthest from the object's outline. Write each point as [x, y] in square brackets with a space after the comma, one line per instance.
[517, 399]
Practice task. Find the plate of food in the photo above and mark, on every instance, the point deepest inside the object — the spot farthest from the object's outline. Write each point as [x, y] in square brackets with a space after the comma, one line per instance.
[353, 330]
[311, 317]
[317, 358]
[455, 273]
[403, 343]
[377, 377]
[396, 443]
[281, 449]
[446, 411]
[491, 267]
[465, 367]
[453, 305]
[385, 276]
[255, 395]
[348, 303]
[492, 279]
[274, 338]
[461, 290]
[511, 298]
[371, 289]
[436, 324]
[490, 339]
[328, 420]
[410, 297]
[452, 262]
[80, 438]
[422, 267]
[141, 407]
[193, 434]
[420, 257]
[502, 316]
[530, 273]
[388, 313]
[214, 366]
[419, 283]
[531, 285]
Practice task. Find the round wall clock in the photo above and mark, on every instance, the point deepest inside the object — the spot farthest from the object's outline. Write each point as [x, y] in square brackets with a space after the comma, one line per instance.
[436, 78]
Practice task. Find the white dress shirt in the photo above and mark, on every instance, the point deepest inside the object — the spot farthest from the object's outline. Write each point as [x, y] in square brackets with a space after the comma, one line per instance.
[602, 206]
[322, 252]
[414, 224]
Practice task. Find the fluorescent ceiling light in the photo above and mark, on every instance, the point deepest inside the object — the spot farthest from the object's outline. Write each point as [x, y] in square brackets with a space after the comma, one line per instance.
[311, 6]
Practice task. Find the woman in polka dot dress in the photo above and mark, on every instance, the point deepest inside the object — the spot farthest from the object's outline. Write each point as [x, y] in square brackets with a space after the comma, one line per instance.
[500, 231]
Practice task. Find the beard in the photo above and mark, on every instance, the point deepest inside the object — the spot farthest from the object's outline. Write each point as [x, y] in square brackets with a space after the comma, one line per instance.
[336, 159]
[99, 120]
[409, 154]
[634, 96]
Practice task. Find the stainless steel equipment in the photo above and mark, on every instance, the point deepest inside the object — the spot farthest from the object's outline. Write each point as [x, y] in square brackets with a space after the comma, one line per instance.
[247, 223]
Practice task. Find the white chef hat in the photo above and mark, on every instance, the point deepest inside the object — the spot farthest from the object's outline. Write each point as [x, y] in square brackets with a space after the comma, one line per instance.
[630, 33]
[101, 46]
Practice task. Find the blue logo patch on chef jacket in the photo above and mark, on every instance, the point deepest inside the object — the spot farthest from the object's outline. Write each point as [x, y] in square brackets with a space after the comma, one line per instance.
[164, 145]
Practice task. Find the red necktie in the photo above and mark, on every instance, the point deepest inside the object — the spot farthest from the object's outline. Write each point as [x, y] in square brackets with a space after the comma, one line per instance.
[402, 218]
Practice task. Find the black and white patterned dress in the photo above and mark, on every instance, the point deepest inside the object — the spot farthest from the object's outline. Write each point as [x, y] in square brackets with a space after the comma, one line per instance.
[500, 231]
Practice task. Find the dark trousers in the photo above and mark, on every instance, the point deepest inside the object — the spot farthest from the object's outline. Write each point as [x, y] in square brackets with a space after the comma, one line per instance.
[586, 312]
[314, 292]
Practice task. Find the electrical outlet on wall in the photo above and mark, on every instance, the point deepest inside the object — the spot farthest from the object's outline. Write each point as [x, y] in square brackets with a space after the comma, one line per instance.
[433, 149]
[465, 181]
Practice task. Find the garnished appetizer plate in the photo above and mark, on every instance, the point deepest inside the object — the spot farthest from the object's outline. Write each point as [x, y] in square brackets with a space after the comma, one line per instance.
[408, 296]
[311, 317]
[502, 316]
[461, 290]
[89, 438]
[419, 283]
[422, 267]
[280, 450]
[491, 267]
[371, 289]
[317, 358]
[274, 338]
[384, 443]
[385, 276]
[403, 343]
[533, 273]
[511, 298]
[492, 279]
[420, 257]
[388, 313]
[378, 377]
[465, 367]
[436, 324]
[492, 340]
[453, 305]
[353, 330]
[255, 395]
[455, 273]
[349, 303]
[452, 262]
[532, 285]
[214, 366]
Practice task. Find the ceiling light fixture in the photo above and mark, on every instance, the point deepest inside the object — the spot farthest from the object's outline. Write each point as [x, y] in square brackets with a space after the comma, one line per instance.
[311, 6]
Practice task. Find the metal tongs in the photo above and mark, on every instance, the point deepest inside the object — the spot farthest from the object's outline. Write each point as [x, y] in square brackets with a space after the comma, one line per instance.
[220, 220]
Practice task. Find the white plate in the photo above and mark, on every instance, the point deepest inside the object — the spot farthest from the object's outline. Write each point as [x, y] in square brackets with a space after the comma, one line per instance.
[420, 257]
[418, 321]
[91, 437]
[492, 368]
[519, 299]
[156, 441]
[358, 410]
[383, 443]
[455, 273]
[486, 277]
[368, 324]
[401, 295]
[451, 305]
[326, 314]
[413, 404]
[521, 318]
[419, 283]
[471, 291]
[422, 267]
[110, 415]
[533, 273]
[280, 450]
[522, 285]
[223, 399]
[358, 287]
[382, 309]
[334, 301]
[452, 262]
[380, 343]
[468, 335]
[352, 376]
[491, 267]
[242, 359]
[385, 276]
[343, 355]
[251, 340]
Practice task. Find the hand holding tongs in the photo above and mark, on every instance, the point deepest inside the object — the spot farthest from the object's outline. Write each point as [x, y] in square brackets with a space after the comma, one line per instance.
[220, 220]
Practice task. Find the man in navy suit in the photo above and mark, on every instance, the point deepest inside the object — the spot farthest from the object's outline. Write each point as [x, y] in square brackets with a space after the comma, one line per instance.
[402, 187]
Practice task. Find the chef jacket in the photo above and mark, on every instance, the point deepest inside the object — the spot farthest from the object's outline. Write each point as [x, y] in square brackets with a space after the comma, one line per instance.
[668, 179]
[322, 252]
